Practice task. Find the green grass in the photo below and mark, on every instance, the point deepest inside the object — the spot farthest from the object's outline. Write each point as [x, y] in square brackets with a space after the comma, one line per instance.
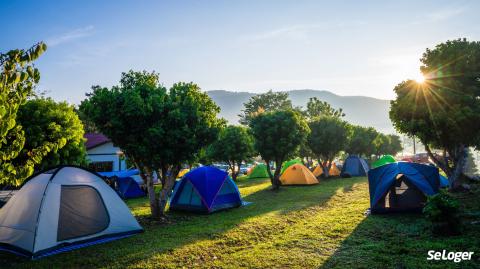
[322, 226]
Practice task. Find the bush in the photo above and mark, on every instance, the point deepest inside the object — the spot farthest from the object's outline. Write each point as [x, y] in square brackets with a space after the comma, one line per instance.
[442, 210]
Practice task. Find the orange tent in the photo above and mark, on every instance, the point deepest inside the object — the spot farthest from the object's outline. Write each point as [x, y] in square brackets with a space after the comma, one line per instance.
[334, 171]
[298, 174]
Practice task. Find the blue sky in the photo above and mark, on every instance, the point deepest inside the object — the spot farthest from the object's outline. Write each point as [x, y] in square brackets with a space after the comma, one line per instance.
[347, 47]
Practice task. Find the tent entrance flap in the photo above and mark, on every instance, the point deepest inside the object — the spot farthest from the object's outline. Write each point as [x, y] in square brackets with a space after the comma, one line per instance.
[401, 196]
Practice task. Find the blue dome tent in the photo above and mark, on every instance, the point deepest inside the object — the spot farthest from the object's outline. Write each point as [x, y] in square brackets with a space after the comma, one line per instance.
[205, 189]
[354, 166]
[401, 186]
[126, 185]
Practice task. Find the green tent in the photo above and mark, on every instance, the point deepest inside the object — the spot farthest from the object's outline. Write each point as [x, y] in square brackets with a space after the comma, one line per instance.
[289, 163]
[385, 159]
[258, 171]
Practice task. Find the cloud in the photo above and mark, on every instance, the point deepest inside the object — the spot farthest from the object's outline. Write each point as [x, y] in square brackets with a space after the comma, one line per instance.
[69, 36]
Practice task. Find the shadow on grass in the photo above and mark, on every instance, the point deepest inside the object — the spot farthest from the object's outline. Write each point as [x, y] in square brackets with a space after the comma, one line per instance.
[400, 241]
[189, 228]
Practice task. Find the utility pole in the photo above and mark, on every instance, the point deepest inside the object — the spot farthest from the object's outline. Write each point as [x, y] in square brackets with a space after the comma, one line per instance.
[414, 146]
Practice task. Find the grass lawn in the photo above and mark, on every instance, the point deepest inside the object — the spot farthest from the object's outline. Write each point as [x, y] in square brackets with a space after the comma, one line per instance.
[320, 226]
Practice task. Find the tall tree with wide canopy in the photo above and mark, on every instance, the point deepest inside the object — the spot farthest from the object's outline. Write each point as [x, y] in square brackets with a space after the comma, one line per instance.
[158, 129]
[233, 146]
[329, 135]
[361, 140]
[278, 135]
[265, 102]
[317, 108]
[444, 111]
[45, 121]
[18, 78]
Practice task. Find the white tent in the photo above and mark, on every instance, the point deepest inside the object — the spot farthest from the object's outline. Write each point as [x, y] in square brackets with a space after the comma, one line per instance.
[63, 209]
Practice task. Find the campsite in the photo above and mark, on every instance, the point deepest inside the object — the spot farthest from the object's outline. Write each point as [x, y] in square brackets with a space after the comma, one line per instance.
[211, 135]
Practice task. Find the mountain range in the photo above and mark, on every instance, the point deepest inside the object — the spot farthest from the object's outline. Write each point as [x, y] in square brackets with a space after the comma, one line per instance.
[359, 110]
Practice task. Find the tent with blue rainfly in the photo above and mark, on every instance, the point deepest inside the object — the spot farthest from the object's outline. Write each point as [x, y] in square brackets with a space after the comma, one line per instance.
[401, 186]
[63, 209]
[354, 166]
[444, 183]
[126, 185]
[205, 189]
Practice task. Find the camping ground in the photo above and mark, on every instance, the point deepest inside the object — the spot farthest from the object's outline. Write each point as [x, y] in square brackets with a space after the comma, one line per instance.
[321, 226]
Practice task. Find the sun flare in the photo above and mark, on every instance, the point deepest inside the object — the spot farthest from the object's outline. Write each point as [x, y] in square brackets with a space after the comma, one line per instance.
[419, 78]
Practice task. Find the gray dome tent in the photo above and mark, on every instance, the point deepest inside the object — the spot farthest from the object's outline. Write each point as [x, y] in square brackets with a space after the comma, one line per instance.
[63, 209]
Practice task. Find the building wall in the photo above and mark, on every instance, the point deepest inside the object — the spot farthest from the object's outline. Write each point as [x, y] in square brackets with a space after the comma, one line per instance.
[107, 153]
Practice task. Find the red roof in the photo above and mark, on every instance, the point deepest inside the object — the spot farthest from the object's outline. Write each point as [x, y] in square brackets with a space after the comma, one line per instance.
[94, 140]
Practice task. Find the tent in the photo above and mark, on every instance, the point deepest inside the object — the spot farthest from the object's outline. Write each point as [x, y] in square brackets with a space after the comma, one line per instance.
[129, 188]
[444, 183]
[205, 189]
[183, 172]
[333, 172]
[61, 210]
[289, 163]
[354, 166]
[126, 186]
[298, 174]
[401, 186]
[385, 159]
[258, 171]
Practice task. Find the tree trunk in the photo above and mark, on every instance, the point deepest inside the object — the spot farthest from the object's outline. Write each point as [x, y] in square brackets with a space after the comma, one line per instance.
[441, 164]
[152, 197]
[269, 171]
[167, 188]
[458, 166]
[276, 176]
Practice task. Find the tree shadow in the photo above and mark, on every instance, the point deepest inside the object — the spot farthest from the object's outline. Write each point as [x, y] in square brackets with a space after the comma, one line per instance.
[187, 228]
[399, 241]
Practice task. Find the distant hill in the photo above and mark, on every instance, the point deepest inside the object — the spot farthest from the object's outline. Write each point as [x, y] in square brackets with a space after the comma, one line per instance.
[361, 110]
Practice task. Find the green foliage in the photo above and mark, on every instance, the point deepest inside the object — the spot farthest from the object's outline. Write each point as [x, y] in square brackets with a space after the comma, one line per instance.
[317, 108]
[442, 209]
[329, 135]
[233, 146]
[444, 111]
[278, 135]
[157, 129]
[387, 145]
[361, 140]
[56, 125]
[266, 102]
[18, 78]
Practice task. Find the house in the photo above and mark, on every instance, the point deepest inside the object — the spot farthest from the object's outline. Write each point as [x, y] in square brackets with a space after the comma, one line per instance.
[102, 155]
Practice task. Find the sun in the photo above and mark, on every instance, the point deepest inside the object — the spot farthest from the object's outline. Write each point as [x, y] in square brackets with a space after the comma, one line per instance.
[419, 78]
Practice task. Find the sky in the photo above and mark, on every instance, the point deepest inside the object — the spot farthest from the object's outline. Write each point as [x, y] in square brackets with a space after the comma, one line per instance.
[346, 47]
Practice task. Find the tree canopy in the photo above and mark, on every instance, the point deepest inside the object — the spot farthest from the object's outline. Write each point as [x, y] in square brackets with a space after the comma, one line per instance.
[46, 122]
[233, 146]
[329, 135]
[265, 102]
[158, 129]
[317, 108]
[444, 111]
[361, 140]
[278, 134]
[18, 78]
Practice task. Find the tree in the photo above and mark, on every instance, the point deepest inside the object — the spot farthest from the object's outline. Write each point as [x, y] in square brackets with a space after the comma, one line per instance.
[266, 102]
[317, 108]
[233, 146]
[45, 121]
[361, 140]
[158, 130]
[444, 111]
[278, 134]
[18, 78]
[395, 144]
[329, 135]
[381, 145]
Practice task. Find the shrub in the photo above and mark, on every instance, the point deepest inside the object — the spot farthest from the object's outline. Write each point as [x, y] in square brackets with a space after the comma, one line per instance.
[442, 210]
